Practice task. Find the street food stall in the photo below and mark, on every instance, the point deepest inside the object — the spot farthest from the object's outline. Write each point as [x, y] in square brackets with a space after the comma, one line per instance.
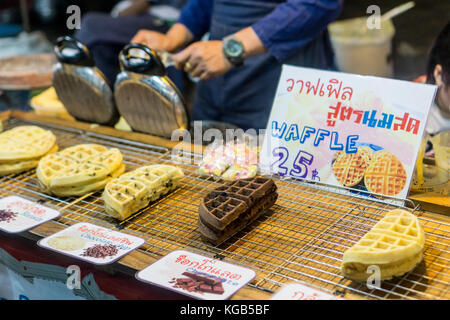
[104, 193]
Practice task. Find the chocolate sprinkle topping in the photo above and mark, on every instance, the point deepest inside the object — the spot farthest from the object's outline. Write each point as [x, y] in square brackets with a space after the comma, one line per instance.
[7, 215]
[100, 251]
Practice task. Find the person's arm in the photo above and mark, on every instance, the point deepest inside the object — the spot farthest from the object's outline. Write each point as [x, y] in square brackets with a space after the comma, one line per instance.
[206, 60]
[294, 24]
[250, 41]
[290, 26]
[193, 23]
[136, 7]
[196, 16]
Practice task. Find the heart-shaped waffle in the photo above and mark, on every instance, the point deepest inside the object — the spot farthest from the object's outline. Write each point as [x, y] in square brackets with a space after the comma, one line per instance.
[230, 207]
[25, 143]
[395, 244]
[349, 168]
[78, 167]
[385, 175]
[136, 189]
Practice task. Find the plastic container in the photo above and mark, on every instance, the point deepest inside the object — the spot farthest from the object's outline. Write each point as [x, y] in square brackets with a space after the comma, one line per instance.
[361, 50]
[441, 146]
[433, 179]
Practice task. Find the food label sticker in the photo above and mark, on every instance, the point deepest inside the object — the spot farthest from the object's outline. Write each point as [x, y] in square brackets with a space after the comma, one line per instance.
[297, 291]
[358, 133]
[91, 243]
[196, 276]
[18, 214]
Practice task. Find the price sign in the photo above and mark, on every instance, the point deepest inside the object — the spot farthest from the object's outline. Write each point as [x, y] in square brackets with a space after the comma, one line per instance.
[297, 291]
[346, 130]
[196, 276]
[18, 214]
[92, 243]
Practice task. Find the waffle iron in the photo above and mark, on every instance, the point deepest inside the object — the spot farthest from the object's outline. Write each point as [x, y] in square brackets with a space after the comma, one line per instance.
[145, 96]
[81, 86]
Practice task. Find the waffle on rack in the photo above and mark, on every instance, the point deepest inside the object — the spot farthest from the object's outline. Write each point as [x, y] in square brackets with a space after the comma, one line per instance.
[22, 147]
[25, 142]
[79, 169]
[135, 190]
[395, 244]
[229, 208]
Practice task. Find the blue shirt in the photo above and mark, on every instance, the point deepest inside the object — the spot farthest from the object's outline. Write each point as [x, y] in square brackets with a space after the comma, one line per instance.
[289, 27]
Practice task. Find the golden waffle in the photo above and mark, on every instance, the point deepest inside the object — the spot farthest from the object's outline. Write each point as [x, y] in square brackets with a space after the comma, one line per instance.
[84, 189]
[85, 167]
[25, 143]
[231, 207]
[395, 244]
[349, 168]
[136, 189]
[385, 175]
[21, 166]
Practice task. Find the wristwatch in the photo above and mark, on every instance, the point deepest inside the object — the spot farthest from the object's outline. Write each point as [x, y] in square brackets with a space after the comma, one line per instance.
[233, 50]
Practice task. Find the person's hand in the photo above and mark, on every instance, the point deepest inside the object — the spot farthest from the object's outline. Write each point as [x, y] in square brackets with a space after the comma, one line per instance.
[203, 60]
[153, 39]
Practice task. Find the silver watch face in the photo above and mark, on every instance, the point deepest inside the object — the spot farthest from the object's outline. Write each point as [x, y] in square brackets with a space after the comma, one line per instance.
[234, 48]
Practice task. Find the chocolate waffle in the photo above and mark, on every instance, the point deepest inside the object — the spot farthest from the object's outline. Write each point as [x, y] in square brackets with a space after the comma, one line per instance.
[231, 207]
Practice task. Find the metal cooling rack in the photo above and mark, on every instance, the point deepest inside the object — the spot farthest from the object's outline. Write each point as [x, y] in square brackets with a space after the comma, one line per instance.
[301, 239]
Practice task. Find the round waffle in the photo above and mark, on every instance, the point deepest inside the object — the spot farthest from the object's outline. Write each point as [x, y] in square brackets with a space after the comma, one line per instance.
[21, 166]
[81, 168]
[395, 244]
[349, 168]
[84, 189]
[385, 175]
[25, 143]
[136, 189]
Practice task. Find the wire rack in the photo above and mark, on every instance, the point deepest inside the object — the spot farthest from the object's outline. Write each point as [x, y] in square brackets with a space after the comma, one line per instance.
[301, 239]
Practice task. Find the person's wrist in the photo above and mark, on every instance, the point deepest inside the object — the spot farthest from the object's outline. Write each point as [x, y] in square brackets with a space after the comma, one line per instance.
[227, 62]
[177, 37]
[233, 50]
[166, 44]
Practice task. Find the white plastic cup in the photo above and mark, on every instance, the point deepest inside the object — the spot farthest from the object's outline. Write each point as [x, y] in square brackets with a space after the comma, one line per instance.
[361, 50]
